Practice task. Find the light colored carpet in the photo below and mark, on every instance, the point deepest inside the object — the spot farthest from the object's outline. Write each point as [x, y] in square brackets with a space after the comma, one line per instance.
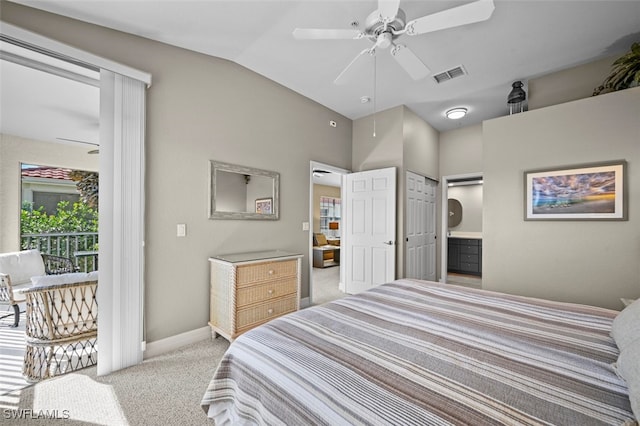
[164, 390]
[325, 285]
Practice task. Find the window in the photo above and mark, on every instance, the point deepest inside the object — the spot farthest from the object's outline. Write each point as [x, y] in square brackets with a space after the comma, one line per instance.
[45, 186]
[330, 210]
[50, 200]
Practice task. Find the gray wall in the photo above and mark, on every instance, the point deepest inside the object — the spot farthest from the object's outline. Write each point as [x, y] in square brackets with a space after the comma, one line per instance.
[579, 261]
[461, 151]
[421, 146]
[568, 85]
[201, 108]
[385, 148]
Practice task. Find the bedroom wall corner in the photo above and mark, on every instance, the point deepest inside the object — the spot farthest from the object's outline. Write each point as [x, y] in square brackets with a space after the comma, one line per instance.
[590, 262]
[402, 140]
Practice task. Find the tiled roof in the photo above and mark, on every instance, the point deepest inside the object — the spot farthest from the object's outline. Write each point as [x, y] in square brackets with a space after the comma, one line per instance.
[47, 172]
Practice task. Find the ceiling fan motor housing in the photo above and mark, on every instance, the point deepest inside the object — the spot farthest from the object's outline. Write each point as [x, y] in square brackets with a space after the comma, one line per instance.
[374, 27]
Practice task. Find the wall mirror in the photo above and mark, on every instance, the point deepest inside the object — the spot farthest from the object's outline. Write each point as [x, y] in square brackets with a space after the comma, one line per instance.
[455, 212]
[239, 192]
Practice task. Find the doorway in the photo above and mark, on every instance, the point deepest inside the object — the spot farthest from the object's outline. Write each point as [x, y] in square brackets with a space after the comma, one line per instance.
[121, 260]
[461, 242]
[325, 211]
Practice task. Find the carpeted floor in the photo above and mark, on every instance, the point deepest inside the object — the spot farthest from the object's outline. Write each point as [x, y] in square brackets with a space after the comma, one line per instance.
[164, 390]
[325, 285]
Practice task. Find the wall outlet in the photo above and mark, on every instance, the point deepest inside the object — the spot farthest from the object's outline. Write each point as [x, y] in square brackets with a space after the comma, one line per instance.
[182, 230]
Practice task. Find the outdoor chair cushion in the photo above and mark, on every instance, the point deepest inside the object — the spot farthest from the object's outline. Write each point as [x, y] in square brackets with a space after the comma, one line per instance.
[72, 278]
[21, 266]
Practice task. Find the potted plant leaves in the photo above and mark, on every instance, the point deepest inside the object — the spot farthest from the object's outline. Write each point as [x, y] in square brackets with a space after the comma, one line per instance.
[625, 72]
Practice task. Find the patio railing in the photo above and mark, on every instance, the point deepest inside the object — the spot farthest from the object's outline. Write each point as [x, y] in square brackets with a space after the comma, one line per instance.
[80, 247]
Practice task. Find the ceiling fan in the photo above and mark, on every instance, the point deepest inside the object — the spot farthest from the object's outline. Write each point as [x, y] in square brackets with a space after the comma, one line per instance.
[93, 151]
[386, 24]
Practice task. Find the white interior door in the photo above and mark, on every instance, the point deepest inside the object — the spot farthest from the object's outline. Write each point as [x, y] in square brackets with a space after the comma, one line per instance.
[420, 227]
[369, 237]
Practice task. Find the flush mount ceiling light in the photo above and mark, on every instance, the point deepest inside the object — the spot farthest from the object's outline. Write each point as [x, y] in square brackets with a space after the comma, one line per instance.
[456, 113]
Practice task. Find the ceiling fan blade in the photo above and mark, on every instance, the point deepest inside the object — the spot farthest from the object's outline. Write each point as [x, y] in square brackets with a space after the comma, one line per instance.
[410, 62]
[323, 34]
[388, 9]
[477, 11]
[354, 66]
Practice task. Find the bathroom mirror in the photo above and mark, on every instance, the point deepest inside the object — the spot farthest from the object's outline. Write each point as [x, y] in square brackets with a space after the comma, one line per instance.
[455, 212]
[239, 192]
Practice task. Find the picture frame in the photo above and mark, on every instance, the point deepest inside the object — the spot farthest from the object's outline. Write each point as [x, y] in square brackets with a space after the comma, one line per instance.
[264, 206]
[594, 191]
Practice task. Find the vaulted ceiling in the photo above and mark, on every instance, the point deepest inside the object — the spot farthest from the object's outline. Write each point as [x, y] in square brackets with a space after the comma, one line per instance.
[521, 40]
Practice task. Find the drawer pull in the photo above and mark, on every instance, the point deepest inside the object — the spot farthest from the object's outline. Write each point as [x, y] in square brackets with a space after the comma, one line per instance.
[270, 271]
[270, 291]
[270, 311]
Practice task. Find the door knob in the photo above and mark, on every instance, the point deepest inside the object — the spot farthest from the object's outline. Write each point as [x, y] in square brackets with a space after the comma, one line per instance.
[389, 243]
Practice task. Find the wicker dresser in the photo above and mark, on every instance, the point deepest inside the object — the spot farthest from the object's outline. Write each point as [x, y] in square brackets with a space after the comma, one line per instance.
[249, 289]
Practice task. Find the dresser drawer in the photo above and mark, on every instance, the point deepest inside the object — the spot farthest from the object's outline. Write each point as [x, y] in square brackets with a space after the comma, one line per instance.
[469, 258]
[469, 267]
[466, 249]
[466, 241]
[248, 295]
[254, 315]
[248, 274]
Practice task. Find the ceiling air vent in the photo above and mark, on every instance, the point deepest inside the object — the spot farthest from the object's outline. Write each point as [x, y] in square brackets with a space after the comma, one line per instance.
[449, 74]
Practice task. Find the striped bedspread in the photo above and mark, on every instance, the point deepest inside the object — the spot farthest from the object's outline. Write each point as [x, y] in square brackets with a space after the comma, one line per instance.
[422, 353]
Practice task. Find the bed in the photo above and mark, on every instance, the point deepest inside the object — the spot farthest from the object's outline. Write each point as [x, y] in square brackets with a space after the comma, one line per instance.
[415, 352]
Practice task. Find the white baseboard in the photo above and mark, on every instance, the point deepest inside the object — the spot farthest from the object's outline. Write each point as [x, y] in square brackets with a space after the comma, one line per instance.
[169, 344]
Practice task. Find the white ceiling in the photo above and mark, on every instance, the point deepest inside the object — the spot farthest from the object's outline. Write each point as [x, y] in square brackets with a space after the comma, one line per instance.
[522, 39]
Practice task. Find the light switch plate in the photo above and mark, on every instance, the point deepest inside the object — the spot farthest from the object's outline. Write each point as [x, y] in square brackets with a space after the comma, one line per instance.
[305, 226]
[182, 230]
